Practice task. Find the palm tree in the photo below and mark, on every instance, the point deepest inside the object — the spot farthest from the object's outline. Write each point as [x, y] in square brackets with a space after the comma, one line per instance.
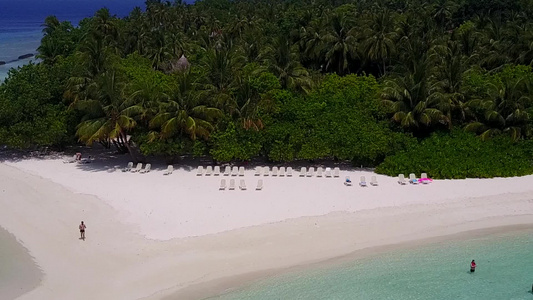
[184, 114]
[502, 110]
[408, 98]
[282, 60]
[380, 39]
[341, 43]
[107, 114]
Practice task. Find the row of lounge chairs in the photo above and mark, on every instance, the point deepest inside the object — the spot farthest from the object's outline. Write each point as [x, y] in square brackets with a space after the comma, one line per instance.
[362, 182]
[209, 170]
[242, 185]
[413, 180]
[304, 172]
[138, 168]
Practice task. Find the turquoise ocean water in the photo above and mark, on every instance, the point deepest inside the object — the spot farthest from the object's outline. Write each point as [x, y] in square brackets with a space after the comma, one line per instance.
[436, 271]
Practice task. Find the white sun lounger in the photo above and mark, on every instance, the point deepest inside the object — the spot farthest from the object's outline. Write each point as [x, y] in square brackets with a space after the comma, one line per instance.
[282, 171]
[373, 181]
[241, 171]
[216, 172]
[242, 185]
[222, 184]
[126, 169]
[146, 169]
[347, 181]
[362, 182]
[208, 171]
[328, 172]
[138, 168]
[303, 171]
[259, 185]
[169, 170]
[266, 171]
[289, 172]
[231, 184]
[274, 171]
[319, 172]
[257, 171]
[72, 159]
[234, 171]
[311, 172]
[227, 171]
[336, 172]
[200, 171]
[401, 179]
[412, 178]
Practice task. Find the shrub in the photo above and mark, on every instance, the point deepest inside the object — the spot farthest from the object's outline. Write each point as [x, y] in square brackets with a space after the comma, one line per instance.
[462, 155]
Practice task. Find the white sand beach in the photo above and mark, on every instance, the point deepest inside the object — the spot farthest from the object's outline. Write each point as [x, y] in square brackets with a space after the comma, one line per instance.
[150, 236]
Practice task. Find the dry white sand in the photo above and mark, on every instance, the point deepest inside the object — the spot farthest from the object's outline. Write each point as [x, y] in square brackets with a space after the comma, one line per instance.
[150, 235]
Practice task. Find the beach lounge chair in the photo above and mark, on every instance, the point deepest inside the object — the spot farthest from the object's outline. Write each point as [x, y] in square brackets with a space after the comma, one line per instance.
[289, 172]
[231, 184]
[259, 185]
[208, 171]
[303, 171]
[126, 169]
[401, 179]
[200, 171]
[274, 171]
[348, 181]
[281, 171]
[412, 178]
[146, 169]
[328, 172]
[216, 172]
[227, 171]
[319, 172]
[234, 171]
[362, 182]
[266, 171]
[242, 185]
[373, 181]
[241, 171]
[169, 170]
[138, 168]
[311, 172]
[336, 172]
[425, 179]
[257, 171]
[222, 184]
[73, 159]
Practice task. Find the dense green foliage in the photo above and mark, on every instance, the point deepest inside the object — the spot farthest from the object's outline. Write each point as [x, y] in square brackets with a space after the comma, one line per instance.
[462, 155]
[284, 80]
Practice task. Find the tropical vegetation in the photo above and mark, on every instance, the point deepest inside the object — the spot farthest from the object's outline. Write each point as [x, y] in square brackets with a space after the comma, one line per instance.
[406, 86]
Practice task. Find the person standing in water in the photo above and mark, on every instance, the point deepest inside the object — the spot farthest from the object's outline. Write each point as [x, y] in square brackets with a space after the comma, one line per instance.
[473, 266]
[82, 230]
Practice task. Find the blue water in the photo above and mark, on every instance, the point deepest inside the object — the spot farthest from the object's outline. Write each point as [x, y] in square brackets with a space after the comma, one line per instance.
[438, 271]
[20, 22]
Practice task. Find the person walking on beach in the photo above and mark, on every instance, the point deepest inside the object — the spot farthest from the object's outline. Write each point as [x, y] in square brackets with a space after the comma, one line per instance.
[473, 266]
[82, 231]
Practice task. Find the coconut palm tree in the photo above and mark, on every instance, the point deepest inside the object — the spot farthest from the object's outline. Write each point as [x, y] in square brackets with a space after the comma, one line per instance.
[282, 60]
[379, 43]
[107, 114]
[340, 40]
[185, 113]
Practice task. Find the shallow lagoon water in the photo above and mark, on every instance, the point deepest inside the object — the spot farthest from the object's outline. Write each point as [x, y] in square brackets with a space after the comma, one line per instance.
[435, 271]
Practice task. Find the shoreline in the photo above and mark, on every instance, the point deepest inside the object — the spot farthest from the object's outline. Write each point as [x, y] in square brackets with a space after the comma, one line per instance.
[125, 262]
[227, 285]
[19, 273]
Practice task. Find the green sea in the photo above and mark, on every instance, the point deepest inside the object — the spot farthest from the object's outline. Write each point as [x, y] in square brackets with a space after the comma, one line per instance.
[434, 271]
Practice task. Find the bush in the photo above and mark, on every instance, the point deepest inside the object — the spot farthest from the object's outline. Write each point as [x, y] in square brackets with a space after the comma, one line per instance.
[462, 155]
